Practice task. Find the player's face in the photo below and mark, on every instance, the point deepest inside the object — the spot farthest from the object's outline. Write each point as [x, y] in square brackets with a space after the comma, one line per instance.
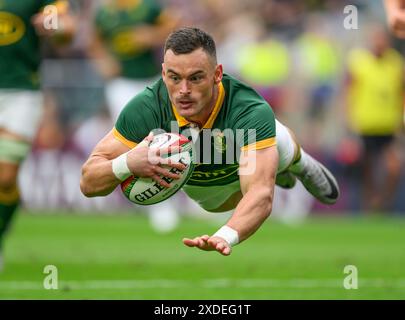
[191, 80]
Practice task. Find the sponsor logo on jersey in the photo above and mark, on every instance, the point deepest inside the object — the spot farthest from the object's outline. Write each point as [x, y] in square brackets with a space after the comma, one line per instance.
[205, 173]
[219, 141]
[12, 28]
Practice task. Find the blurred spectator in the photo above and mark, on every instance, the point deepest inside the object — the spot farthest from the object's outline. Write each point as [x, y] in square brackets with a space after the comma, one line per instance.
[316, 72]
[283, 17]
[396, 16]
[266, 66]
[319, 63]
[375, 112]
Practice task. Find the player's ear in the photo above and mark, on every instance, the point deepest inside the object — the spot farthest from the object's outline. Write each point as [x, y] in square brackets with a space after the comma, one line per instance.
[163, 71]
[218, 73]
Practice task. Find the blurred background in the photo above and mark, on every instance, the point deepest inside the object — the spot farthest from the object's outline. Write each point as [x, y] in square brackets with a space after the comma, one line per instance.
[295, 53]
[333, 77]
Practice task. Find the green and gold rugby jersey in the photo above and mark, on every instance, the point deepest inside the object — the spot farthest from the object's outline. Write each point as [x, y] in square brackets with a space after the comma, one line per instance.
[115, 27]
[19, 44]
[241, 119]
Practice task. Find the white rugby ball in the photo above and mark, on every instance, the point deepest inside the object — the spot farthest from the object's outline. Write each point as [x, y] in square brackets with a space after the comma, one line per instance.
[146, 191]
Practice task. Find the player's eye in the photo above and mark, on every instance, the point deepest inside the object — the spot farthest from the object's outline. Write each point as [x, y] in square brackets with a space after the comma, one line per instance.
[174, 78]
[196, 78]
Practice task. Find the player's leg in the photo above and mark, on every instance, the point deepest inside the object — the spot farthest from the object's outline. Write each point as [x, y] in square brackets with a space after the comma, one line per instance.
[393, 164]
[288, 153]
[12, 149]
[380, 150]
[370, 197]
[318, 180]
[20, 113]
[9, 195]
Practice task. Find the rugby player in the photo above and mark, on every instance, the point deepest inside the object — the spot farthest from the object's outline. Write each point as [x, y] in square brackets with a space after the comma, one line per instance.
[21, 22]
[197, 96]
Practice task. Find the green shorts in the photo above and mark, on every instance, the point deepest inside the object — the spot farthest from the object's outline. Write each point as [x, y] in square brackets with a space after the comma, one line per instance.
[210, 198]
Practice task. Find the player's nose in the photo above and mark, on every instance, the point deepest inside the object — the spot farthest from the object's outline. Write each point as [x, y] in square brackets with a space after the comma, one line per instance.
[185, 88]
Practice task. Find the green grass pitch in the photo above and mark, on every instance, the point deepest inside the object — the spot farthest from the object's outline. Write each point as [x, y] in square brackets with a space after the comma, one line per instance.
[120, 257]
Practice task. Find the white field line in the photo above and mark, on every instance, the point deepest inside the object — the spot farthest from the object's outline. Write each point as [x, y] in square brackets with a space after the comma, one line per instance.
[213, 283]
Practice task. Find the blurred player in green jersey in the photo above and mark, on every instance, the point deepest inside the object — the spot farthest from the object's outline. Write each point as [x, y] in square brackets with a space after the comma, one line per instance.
[21, 23]
[228, 118]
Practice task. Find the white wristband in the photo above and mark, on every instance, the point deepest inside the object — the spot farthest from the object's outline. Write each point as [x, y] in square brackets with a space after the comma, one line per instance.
[228, 234]
[120, 167]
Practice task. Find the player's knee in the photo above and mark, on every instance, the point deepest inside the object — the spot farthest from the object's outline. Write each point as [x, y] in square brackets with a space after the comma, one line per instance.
[393, 164]
[12, 152]
[8, 176]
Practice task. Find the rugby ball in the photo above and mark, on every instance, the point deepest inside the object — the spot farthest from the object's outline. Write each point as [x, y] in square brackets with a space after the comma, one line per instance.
[146, 191]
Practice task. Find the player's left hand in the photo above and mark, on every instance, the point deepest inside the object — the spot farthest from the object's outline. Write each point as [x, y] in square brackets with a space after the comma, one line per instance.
[208, 243]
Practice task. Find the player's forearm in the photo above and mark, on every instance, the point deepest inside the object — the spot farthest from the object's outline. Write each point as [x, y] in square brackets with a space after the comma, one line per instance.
[98, 178]
[254, 208]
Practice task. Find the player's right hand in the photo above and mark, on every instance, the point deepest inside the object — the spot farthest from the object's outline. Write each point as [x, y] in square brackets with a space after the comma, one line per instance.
[147, 162]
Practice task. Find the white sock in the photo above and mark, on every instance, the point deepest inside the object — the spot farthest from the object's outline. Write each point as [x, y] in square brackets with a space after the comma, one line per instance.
[303, 164]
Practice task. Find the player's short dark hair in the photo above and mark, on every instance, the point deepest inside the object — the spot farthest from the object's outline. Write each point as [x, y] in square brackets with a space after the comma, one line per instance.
[188, 39]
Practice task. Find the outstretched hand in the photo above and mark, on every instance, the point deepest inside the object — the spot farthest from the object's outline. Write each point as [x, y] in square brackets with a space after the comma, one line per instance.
[208, 243]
